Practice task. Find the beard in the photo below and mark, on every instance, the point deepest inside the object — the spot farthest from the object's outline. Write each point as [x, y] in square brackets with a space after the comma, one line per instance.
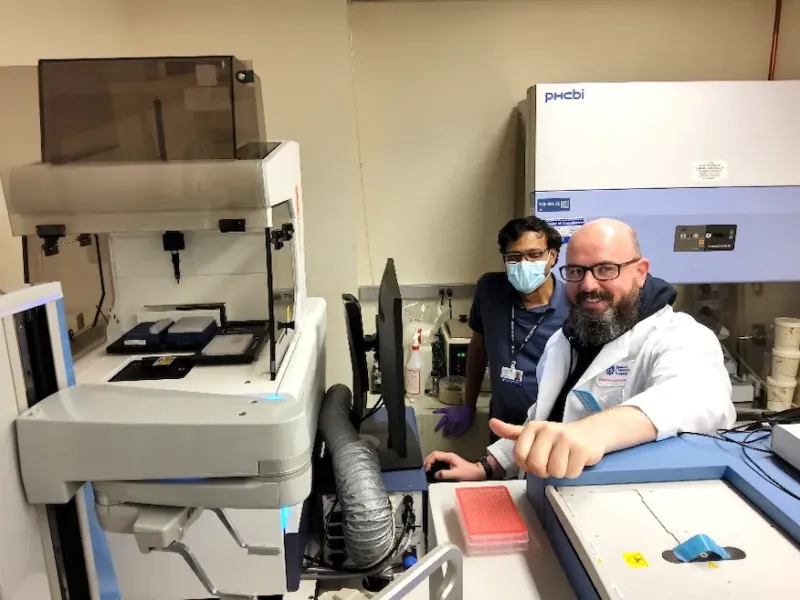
[594, 328]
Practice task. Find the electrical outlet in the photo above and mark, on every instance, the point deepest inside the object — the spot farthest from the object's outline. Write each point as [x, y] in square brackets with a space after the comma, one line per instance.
[758, 335]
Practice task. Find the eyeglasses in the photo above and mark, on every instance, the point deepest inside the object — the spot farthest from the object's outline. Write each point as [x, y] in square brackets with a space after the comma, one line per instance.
[531, 255]
[604, 271]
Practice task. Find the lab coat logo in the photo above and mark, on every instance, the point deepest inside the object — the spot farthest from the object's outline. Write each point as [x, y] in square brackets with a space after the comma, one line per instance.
[616, 375]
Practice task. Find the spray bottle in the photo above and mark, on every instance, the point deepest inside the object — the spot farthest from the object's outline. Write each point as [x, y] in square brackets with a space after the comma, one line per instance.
[413, 375]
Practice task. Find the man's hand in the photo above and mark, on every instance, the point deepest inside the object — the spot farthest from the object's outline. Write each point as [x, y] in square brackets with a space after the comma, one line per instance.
[548, 449]
[459, 468]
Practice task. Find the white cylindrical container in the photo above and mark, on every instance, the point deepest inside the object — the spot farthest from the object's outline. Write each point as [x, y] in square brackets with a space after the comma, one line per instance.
[426, 354]
[780, 393]
[451, 390]
[415, 385]
[785, 363]
[787, 333]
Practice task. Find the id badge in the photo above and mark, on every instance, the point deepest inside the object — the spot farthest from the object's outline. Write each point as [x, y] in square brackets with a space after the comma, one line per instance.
[511, 375]
[588, 401]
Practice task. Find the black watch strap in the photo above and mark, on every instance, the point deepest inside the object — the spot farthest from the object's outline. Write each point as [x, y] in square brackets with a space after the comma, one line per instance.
[484, 462]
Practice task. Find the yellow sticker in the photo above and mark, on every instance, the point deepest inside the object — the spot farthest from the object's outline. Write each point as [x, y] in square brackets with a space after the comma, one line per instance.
[635, 560]
[712, 565]
[164, 361]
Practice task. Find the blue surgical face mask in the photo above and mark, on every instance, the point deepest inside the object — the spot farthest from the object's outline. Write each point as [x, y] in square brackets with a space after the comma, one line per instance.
[526, 276]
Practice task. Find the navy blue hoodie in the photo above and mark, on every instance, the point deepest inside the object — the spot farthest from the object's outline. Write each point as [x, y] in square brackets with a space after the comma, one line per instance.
[656, 294]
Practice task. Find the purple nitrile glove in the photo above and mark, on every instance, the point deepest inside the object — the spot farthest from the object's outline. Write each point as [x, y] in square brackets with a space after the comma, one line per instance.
[456, 420]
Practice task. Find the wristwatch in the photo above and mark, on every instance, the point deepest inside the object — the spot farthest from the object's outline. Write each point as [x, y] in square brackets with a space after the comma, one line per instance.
[484, 462]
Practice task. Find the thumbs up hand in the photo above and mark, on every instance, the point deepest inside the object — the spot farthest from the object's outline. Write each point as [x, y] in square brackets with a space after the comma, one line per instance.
[504, 430]
[548, 449]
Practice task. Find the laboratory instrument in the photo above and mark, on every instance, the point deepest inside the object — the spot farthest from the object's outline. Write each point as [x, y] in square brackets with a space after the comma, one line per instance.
[677, 162]
[700, 198]
[786, 443]
[170, 470]
[689, 516]
[174, 460]
[457, 336]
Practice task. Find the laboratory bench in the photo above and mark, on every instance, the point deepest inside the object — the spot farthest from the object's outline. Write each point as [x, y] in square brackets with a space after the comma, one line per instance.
[472, 445]
[607, 515]
[532, 574]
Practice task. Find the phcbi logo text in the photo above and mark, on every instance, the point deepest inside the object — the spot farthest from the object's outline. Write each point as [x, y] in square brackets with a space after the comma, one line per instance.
[570, 95]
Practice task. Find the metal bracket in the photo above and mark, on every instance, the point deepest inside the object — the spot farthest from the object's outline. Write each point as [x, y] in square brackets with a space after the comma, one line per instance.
[253, 550]
[186, 553]
[280, 236]
[443, 586]
[52, 235]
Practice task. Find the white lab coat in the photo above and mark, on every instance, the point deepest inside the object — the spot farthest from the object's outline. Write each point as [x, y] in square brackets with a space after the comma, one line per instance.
[669, 366]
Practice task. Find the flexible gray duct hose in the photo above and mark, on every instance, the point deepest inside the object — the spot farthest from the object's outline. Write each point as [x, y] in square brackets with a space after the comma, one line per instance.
[367, 520]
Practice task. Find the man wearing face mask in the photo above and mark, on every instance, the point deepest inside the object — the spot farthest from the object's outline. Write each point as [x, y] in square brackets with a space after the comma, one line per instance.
[624, 370]
[513, 315]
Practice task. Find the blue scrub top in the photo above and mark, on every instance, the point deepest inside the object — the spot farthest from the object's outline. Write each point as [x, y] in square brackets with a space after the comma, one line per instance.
[490, 316]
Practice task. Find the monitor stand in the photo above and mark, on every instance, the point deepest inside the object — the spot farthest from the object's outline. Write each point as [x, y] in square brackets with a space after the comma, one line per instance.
[388, 458]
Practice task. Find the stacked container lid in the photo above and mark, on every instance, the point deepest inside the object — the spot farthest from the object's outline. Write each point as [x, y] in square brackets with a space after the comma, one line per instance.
[490, 520]
[782, 382]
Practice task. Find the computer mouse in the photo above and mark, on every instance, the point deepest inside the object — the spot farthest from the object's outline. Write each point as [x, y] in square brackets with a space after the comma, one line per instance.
[439, 465]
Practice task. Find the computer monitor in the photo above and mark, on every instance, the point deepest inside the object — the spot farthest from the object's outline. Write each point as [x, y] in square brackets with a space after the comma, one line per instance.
[397, 446]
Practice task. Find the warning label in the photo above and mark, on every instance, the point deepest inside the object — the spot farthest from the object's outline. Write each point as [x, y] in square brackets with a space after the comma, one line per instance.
[710, 170]
[566, 227]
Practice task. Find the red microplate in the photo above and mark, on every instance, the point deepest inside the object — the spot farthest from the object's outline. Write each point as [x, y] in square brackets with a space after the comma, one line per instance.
[490, 521]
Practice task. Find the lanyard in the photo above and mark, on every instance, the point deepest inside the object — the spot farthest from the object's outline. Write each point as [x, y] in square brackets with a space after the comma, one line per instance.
[514, 348]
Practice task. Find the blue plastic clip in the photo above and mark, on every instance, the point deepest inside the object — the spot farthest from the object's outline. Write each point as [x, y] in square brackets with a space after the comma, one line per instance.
[588, 400]
[697, 546]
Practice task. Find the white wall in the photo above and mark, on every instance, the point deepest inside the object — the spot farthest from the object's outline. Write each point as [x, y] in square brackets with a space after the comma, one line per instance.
[19, 143]
[436, 83]
[30, 31]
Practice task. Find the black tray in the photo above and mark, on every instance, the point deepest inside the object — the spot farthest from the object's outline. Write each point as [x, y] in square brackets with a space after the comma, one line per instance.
[258, 329]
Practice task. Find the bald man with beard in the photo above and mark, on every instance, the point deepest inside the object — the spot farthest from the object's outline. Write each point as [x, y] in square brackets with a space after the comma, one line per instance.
[625, 369]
